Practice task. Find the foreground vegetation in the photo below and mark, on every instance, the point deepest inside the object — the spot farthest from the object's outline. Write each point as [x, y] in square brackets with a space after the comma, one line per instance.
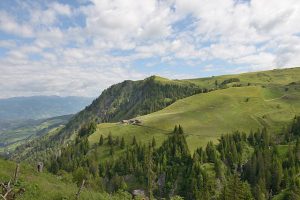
[43, 185]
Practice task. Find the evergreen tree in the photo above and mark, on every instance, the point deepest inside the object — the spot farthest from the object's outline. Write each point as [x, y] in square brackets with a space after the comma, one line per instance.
[111, 151]
[295, 128]
[170, 169]
[54, 167]
[122, 145]
[117, 141]
[110, 139]
[180, 130]
[153, 144]
[134, 141]
[277, 175]
[101, 140]
[218, 169]
[297, 152]
[235, 189]
[211, 152]
[150, 173]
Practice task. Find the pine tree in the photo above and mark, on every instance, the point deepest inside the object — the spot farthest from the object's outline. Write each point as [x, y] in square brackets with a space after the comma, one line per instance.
[277, 175]
[150, 173]
[117, 141]
[122, 145]
[54, 167]
[297, 152]
[111, 151]
[180, 130]
[261, 189]
[109, 139]
[101, 169]
[218, 169]
[211, 152]
[265, 137]
[101, 140]
[153, 144]
[295, 129]
[216, 83]
[251, 138]
[134, 141]
[235, 189]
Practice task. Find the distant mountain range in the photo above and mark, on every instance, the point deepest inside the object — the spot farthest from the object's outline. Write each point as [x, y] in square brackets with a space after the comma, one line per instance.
[23, 118]
[40, 107]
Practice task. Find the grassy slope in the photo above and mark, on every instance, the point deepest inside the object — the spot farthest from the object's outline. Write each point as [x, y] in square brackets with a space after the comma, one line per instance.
[271, 77]
[206, 116]
[129, 99]
[40, 185]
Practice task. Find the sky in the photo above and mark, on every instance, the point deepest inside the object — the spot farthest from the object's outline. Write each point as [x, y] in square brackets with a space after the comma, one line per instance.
[80, 47]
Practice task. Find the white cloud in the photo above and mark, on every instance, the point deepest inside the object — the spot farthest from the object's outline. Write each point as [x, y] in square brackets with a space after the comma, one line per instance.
[7, 43]
[9, 25]
[71, 57]
[33, 79]
[258, 61]
[61, 9]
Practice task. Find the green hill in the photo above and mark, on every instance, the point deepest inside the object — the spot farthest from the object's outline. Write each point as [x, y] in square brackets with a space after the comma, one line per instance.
[121, 101]
[132, 98]
[207, 116]
[271, 77]
[223, 104]
[271, 100]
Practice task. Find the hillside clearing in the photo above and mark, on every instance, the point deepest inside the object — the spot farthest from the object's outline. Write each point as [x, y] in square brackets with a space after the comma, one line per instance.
[206, 116]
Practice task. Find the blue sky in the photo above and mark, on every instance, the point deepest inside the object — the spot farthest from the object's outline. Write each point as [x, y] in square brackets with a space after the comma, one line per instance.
[80, 47]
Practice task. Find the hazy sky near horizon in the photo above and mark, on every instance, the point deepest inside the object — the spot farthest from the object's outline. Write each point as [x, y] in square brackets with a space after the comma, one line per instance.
[80, 47]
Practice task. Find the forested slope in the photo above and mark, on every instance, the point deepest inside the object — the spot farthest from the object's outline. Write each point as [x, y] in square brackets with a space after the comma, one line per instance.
[257, 165]
[121, 101]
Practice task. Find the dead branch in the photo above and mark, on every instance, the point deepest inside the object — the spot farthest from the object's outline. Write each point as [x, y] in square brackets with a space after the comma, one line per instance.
[80, 188]
[6, 189]
[8, 192]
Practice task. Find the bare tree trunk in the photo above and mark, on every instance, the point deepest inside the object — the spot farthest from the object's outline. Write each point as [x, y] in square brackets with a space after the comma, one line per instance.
[79, 190]
[16, 173]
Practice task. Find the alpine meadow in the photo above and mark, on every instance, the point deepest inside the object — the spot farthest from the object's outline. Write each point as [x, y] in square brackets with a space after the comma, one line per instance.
[150, 100]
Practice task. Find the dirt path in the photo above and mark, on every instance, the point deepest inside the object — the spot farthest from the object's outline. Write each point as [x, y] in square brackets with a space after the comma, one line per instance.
[276, 98]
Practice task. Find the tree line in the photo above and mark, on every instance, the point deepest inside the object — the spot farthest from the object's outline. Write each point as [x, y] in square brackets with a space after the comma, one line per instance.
[240, 166]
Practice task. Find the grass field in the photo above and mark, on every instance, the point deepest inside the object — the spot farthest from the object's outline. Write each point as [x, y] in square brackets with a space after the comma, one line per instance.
[272, 77]
[270, 101]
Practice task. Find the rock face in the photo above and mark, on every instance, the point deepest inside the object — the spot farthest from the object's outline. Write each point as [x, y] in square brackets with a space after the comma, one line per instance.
[132, 121]
[139, 193]
[40, 166]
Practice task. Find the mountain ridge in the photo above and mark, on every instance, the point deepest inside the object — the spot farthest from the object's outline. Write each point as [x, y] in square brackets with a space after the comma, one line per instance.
[122, 101]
